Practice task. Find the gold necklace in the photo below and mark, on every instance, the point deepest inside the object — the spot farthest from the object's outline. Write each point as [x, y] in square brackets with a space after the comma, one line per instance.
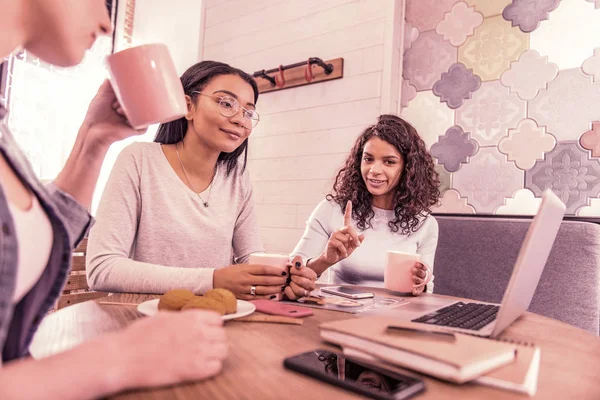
[205, 203]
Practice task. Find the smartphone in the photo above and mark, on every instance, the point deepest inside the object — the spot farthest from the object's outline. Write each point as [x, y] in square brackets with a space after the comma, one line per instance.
[356, 376]
[347, 292]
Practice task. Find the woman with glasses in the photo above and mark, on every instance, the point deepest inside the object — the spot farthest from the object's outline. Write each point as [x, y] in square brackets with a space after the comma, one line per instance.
[179, 213]
[381, 200]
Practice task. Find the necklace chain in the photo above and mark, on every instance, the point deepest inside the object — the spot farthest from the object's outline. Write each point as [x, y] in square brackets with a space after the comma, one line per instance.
[205, 203]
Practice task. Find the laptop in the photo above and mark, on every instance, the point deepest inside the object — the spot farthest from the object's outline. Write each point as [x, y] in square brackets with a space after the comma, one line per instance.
[489, 320]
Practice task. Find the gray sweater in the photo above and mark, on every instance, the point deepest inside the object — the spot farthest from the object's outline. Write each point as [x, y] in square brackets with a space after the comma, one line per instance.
[70, 221]
[153, 234]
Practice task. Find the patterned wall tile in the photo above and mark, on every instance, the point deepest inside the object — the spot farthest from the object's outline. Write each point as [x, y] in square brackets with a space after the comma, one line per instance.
[568, 36]
[523, 202]
[452, 203]
[490, 51]
[411, 34]
[425, 14]
[489, 8]
[429, 56]
[459, 24]
[490, 113]
[487, 179]
[454, 148]
[568, 105]
[526, 144]
[445, 178]
[594, 1]
[593, 210]
[591, 139]
[569, 172]
[456, 85]
[591, 66]
[431, 123]
[407, 93]
[530, 74]
[527, 14]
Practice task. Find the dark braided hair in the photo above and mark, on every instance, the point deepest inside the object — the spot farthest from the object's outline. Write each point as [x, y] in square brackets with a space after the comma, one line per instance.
[417, 190]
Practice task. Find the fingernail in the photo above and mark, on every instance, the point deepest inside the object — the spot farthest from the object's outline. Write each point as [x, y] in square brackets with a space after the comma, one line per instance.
[283, 273]
[298, 264]
[272, 297]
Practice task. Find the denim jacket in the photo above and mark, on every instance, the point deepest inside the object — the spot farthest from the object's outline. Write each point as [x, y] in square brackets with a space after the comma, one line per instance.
[70, 221]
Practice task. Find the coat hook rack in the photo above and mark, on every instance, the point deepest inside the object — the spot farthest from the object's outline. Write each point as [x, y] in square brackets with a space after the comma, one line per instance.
[313, 70]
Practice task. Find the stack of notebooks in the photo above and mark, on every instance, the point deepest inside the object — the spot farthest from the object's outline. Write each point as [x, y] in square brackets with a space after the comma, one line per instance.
[452, 357]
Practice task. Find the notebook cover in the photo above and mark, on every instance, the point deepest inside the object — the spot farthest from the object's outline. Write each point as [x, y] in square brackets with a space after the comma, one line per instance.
[460, 360]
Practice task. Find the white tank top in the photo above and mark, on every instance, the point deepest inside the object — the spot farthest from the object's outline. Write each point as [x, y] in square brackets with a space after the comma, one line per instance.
[34, 236]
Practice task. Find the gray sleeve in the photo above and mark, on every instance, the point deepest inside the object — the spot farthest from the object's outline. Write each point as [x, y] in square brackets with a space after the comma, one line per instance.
[76, 218]
[246, 233]
[109, 266]
[317, 232]
[428, 246]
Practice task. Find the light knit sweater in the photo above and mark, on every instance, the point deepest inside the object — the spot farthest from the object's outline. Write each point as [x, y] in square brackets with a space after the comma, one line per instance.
[366, 264]
[153, 234]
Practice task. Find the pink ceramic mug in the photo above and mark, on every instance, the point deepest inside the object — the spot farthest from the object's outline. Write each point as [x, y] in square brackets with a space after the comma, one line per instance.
[398, 271]
[145, 81]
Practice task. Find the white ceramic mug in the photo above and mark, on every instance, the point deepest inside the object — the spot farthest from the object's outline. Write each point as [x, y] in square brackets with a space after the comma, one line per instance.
[398, 271]
[272, 259]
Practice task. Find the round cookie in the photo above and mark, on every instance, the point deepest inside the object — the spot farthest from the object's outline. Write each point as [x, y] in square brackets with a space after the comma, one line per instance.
[205, 303]
[224, 296]
[173, 300]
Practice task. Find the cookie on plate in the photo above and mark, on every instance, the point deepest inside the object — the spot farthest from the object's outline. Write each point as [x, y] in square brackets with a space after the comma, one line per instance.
[224, 296]
[175, 299]
[205, 303]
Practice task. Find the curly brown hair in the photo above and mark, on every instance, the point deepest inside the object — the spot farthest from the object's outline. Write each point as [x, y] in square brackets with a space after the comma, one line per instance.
[417, 190]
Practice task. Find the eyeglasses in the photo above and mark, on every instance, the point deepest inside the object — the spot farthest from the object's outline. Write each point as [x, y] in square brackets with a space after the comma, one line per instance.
[228, 107]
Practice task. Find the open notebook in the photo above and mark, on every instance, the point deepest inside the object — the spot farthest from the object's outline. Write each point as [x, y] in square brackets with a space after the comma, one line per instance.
[459, 359]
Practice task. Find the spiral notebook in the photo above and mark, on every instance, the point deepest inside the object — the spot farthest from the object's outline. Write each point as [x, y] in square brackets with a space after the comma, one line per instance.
[454, 357]
[519, 376]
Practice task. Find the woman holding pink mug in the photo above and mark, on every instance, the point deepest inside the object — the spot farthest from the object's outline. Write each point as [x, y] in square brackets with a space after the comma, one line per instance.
[381, 200]
[179, 212]
[41, 225]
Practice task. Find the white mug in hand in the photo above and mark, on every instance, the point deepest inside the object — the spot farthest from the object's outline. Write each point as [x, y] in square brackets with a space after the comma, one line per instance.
[271, 259]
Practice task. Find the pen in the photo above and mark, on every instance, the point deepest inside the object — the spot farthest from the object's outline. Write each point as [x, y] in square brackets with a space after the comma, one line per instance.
[402, 329]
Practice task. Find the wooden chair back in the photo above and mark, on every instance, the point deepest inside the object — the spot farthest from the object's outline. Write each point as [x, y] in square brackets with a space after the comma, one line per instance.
[76, 289]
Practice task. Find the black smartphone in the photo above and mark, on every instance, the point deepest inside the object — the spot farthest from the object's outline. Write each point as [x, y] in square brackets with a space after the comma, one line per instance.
[357, 376]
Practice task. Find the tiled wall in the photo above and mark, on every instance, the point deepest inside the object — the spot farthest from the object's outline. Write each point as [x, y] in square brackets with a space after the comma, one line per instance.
[507, 96]
[304, 133]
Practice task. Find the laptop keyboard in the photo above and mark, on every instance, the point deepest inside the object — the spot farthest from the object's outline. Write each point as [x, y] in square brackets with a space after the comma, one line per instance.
[472, 316]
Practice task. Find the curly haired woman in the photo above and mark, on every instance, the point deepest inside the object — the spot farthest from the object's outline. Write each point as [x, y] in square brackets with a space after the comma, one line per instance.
[381, 200]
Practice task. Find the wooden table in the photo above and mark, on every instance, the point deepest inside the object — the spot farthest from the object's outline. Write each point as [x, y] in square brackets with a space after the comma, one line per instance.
[569, 363]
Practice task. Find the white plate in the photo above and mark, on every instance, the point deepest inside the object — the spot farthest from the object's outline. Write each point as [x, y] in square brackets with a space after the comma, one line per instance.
[244, 308]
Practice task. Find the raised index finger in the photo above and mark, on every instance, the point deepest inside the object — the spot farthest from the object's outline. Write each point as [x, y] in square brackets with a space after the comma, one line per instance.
[348, 214]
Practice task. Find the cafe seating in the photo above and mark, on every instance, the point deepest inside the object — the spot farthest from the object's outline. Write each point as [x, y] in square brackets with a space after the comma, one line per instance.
[475, 257]
[76, 288]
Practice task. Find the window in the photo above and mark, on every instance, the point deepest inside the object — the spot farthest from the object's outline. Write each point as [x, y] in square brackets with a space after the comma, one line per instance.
[47, 103]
